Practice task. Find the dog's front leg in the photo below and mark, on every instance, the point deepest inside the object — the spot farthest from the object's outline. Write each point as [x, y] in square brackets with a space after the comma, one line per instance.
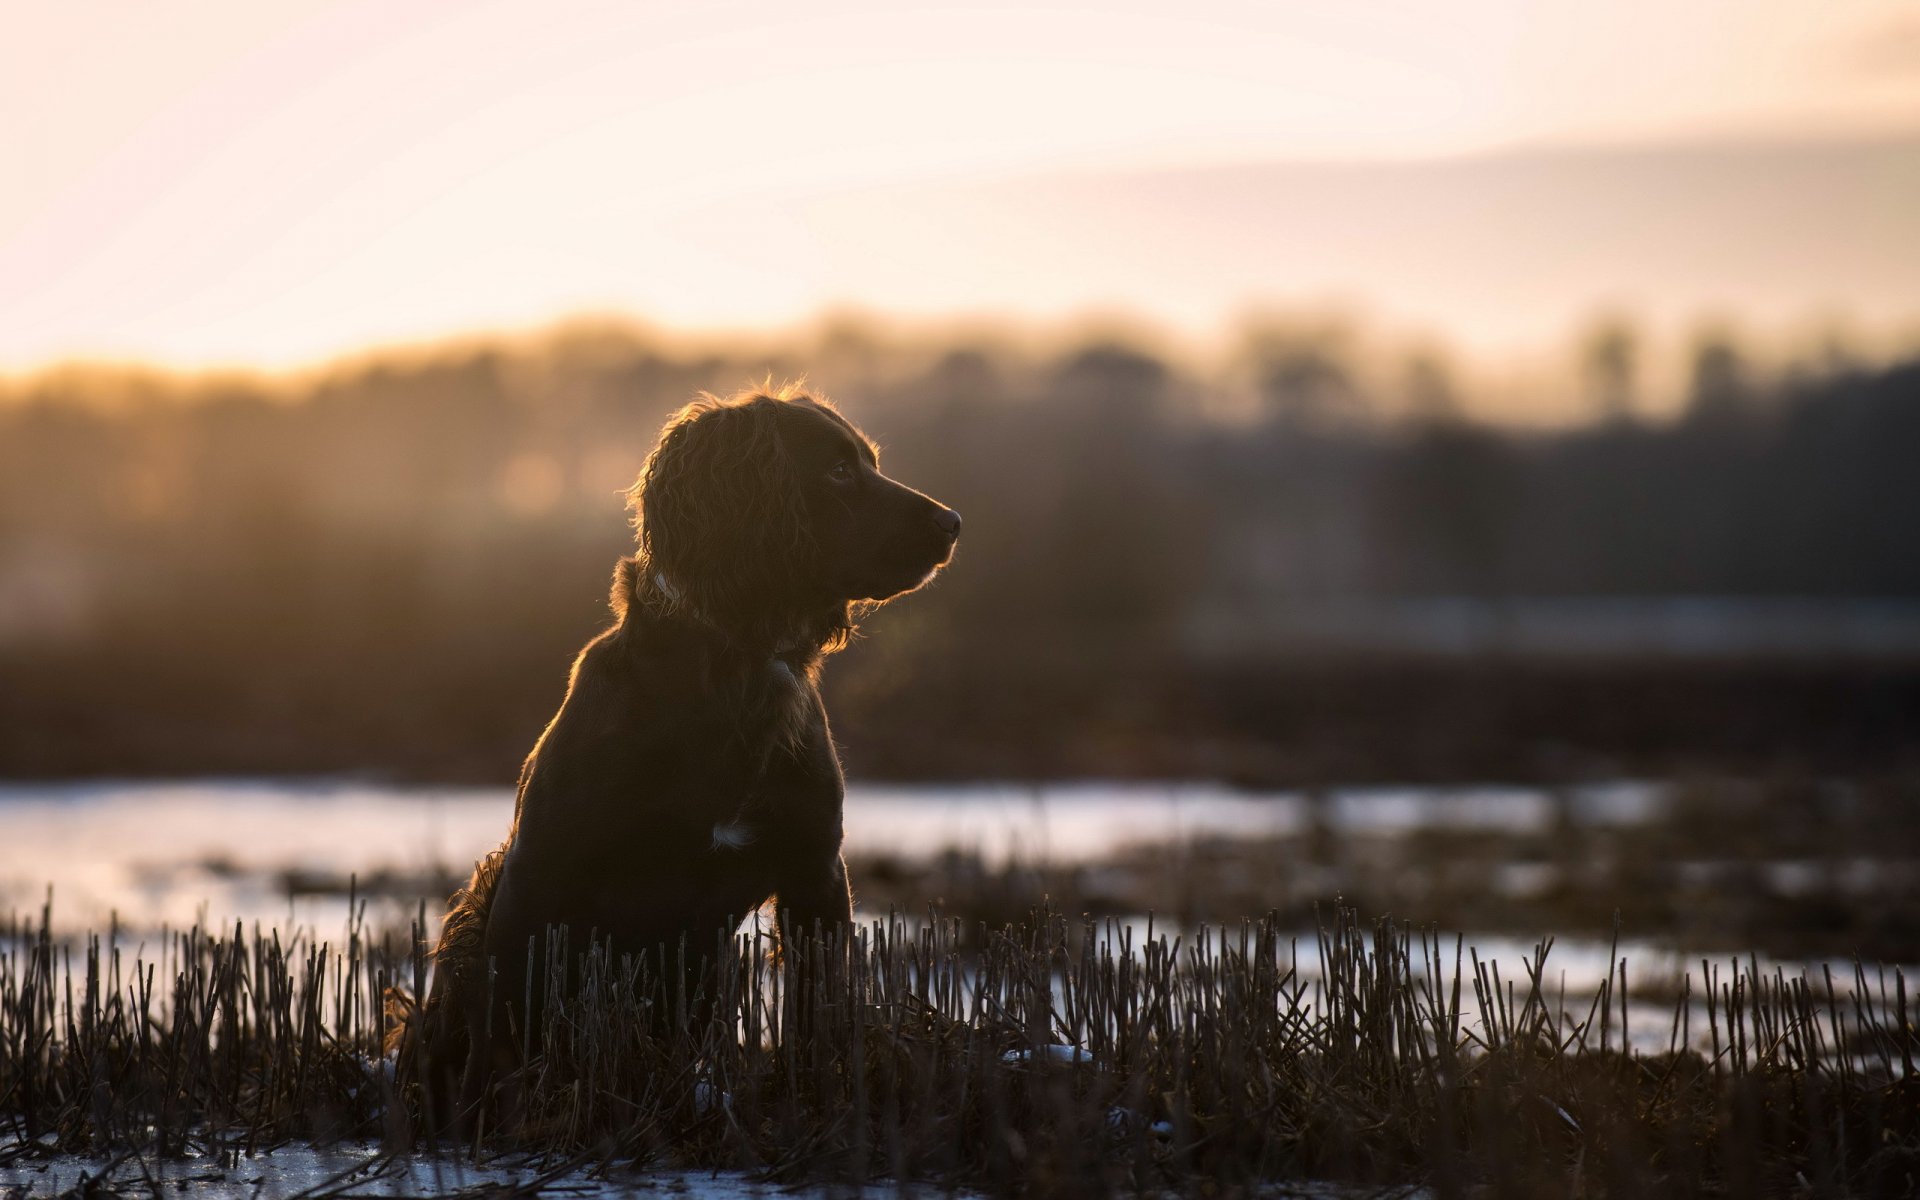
[815, 917]
[816, 902]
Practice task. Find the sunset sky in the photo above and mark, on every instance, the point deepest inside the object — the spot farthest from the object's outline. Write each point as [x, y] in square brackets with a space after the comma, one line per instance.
[221, 181]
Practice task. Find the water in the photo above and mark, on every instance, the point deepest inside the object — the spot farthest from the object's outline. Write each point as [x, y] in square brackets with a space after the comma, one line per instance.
[269, 850]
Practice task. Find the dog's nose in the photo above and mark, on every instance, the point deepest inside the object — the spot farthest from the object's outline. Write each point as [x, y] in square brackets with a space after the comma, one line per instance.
[948, 521]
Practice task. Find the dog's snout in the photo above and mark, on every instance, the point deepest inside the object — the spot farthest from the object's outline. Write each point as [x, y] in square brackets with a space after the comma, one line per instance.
[948, 521]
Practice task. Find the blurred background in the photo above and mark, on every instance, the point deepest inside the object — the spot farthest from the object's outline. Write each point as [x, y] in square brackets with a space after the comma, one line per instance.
[1485, 434]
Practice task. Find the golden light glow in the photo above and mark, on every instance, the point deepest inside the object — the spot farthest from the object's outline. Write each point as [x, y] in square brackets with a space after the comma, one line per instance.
[230, 181]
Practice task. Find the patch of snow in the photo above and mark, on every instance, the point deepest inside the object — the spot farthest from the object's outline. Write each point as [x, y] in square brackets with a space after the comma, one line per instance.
[360, 1168]
[1053, 1052]
[705, 1095]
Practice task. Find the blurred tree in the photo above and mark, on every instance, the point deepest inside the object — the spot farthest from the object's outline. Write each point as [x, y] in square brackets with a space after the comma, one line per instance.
[320, 572]
[961, 375]
[1112, 552]
[1303, 376]
[1720, 389]
[1452, 501]
[1431, 395]
[1112, 383]
[1609, 369]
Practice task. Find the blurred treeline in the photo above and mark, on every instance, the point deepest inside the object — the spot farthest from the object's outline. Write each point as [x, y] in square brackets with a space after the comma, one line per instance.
[388, 564]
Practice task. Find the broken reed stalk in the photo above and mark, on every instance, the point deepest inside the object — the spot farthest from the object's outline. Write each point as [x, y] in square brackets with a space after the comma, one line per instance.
[1052, 1056]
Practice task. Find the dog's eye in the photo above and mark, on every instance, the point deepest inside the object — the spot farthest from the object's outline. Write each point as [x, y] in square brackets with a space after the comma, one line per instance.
[842, 472]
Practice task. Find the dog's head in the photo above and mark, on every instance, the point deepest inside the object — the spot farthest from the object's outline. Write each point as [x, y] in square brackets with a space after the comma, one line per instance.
[767, 516]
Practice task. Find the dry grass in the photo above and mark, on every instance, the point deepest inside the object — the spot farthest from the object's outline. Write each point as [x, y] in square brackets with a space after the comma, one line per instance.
[1226, 1059]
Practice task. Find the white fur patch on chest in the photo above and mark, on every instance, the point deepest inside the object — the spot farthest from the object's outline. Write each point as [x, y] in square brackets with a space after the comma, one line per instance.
[732, 835]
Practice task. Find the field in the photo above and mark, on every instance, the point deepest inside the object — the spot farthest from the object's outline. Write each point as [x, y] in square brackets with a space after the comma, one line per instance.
[1049, 1057]
[966, 1043]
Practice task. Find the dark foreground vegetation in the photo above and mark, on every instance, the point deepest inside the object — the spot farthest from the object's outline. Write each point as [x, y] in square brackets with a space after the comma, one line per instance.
[1044, 1058]
[1253, 568]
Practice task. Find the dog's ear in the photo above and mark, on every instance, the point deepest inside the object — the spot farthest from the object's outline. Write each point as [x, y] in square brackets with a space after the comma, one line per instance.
[721, 521]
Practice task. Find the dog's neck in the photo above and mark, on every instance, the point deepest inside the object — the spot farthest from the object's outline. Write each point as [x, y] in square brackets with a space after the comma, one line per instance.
[800, 644]
[791, 646]
[665, 587]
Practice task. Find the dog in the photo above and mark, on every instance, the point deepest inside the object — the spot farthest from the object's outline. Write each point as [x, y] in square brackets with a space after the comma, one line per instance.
[690, 775]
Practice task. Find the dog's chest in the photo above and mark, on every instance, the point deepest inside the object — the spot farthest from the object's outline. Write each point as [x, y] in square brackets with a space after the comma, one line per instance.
[792, 784]
[733, 834]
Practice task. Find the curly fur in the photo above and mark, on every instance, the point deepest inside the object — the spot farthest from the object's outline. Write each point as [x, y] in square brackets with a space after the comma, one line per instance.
[429, 1040]
[462, 935]
[721, 540]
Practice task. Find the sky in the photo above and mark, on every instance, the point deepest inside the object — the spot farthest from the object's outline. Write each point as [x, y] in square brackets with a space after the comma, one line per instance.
[213, 182]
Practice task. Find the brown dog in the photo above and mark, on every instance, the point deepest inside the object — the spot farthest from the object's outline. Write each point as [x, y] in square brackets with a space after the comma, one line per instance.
[689, 775]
